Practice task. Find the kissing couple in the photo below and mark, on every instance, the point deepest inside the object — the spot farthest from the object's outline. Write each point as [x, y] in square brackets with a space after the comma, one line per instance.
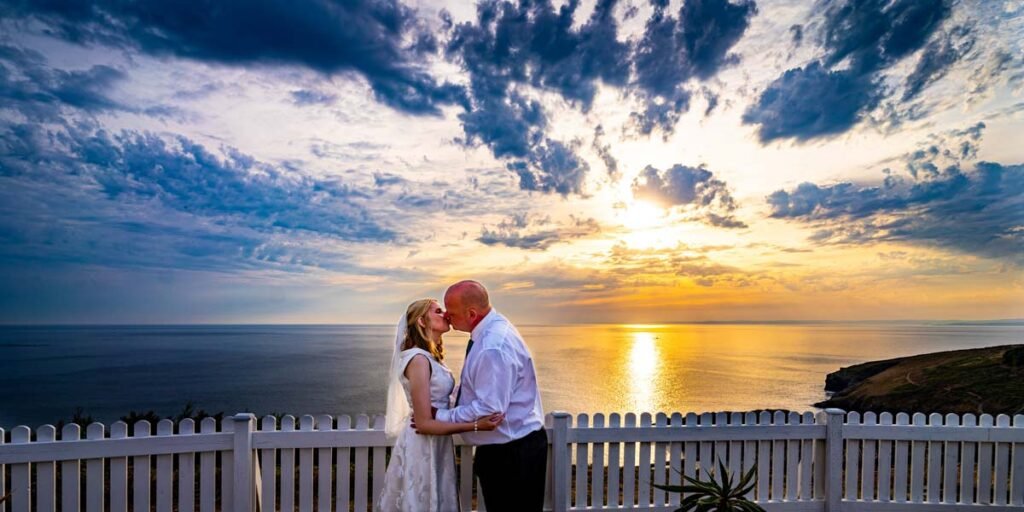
[496, 408]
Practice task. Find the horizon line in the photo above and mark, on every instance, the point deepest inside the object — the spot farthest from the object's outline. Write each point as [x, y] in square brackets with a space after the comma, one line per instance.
[995, 321]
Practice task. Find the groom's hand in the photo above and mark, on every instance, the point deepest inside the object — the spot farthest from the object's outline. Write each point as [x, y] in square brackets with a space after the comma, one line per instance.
[412, 420]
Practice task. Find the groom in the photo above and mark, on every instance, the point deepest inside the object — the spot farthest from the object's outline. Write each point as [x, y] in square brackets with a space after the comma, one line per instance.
[498, 376]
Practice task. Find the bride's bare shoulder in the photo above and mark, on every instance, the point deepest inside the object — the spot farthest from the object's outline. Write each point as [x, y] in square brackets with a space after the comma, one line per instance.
[418, 363]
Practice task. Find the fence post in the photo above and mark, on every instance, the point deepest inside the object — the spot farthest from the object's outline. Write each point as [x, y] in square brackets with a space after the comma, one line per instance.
[560, 463]
[243, 461]
[834, 460]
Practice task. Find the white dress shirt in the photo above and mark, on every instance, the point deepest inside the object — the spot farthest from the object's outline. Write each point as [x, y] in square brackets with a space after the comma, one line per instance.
[498, 376]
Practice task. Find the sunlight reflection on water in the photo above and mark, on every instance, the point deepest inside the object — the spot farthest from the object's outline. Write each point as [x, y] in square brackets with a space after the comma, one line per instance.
[643, 370]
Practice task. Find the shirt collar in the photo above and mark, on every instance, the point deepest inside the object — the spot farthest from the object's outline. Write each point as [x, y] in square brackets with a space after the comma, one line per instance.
[481, 327]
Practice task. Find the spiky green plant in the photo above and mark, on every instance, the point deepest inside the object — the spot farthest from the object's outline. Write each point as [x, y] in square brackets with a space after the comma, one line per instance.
[716, 494]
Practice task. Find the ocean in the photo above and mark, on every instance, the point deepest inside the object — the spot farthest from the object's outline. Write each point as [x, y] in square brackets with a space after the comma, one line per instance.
[47, 372]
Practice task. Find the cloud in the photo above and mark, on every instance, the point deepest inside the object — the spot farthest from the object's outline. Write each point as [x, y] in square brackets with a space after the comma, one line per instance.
[1001, 67]
[83, 195]
[604, 151]
[936, 60]
[631, 265]
[551, 167]
[511, 50]
[361, 151]
[536, 45]
[809, 102]
[673, 50]
[862, 39]
[365, 37]
[511, 126]
[524, 231]
[694, 187]
[28, 85]
[201, 92]
[796, 31]
[305, 97]
[550, 281]
[184, 175]
[662, 113]
[386, 179]
[874, 34]
[44, 94]
[937, 203]
[694, 44]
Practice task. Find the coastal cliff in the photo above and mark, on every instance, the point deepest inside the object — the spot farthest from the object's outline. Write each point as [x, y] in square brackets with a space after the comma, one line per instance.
[984, 380]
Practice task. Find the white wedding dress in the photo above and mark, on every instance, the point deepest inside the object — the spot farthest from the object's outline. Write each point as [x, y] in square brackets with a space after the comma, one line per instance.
[421, 474]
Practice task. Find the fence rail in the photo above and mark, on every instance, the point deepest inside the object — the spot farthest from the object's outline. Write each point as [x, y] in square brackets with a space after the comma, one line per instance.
[831, 462]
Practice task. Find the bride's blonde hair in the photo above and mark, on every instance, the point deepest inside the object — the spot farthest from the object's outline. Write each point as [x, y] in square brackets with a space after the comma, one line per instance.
[416, 334]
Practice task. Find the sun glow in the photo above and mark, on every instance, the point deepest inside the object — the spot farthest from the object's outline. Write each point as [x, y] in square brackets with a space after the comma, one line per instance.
[647, 225]
[641, 215]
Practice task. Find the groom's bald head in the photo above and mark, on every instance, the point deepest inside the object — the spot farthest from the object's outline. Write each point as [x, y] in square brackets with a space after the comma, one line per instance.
[466, 303]
[469, 293]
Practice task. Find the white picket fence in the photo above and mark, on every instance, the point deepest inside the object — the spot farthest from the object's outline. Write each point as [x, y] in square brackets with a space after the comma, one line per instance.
[831, 462]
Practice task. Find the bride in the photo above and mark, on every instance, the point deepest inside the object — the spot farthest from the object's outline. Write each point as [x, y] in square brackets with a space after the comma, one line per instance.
[421, 473]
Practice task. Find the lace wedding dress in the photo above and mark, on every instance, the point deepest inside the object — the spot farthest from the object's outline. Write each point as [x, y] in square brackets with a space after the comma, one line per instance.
[421, 474]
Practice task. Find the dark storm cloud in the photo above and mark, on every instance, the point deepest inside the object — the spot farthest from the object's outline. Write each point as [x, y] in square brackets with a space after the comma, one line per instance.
[874, 34]
[861, 40]
[812, 101]
[535, 44]
[511, 126]
[939, 202]
[694, 44]
[672, 50]
[510, 45]
[366, 37]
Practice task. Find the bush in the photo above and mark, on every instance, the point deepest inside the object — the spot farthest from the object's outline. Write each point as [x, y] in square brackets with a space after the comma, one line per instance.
[719, 495]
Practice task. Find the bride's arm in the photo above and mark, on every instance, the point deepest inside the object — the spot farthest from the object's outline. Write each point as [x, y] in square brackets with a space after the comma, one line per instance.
[418, 373]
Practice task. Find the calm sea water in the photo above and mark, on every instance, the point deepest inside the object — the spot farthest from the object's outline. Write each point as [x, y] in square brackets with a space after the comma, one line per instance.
[46, 372]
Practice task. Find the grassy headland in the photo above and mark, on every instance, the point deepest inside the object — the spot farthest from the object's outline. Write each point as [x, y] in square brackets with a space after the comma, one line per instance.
[984, 380]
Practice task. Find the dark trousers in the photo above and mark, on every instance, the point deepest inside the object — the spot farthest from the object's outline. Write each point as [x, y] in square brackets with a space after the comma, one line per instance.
[512, 475]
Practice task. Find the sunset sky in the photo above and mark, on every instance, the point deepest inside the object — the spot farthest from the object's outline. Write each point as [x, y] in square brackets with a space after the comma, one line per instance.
[610, 161]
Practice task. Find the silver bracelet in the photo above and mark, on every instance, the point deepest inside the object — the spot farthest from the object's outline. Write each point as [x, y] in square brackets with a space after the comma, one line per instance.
[474, 425]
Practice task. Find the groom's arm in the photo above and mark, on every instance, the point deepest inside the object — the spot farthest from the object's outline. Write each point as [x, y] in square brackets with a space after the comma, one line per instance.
[494, 374]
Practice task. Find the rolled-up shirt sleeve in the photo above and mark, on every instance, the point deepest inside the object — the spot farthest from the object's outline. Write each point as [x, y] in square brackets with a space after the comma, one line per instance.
[494, 374]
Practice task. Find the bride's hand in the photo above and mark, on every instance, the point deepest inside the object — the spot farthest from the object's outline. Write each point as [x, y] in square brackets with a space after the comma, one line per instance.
[491, 422]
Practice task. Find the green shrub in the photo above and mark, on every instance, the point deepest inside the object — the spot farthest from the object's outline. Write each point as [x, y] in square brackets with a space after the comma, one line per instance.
[716, 495]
